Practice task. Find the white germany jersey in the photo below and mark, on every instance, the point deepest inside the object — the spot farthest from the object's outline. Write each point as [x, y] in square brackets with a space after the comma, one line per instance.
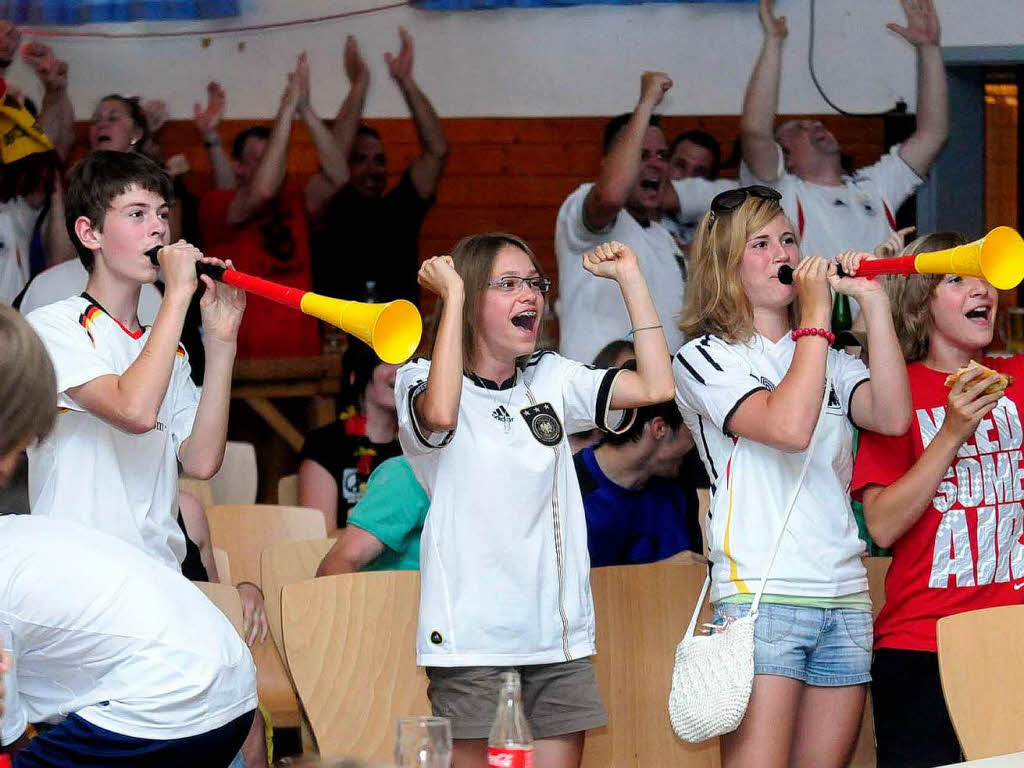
[752, 482]
[98, 628]
[88, 470]
[505, 574]
[856, 216]
[591, 311]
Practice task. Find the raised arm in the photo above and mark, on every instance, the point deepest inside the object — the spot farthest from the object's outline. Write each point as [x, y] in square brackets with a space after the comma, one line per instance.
[333, 171]
[10, 39]
[427, 168]
[883, 404]
[437, 408]
[760, 102]
[346, 122]
[922, 31]
[785, 418]
[270, 173]
[207, 121]
[891, 510]
[652, 381]
[56, 115]
[622, 163]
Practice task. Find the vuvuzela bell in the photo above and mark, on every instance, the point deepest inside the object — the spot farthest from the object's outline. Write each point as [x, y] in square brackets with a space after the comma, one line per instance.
[392, 330]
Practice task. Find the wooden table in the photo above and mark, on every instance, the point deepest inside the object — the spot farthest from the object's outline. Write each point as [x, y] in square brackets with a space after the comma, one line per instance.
[318, 379]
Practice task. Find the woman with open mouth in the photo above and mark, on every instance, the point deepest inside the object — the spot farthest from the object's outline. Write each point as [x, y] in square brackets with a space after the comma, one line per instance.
[504, 564]
[945, 496]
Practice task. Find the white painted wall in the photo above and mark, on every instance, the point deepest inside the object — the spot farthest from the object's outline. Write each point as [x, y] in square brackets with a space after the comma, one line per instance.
[573, 61]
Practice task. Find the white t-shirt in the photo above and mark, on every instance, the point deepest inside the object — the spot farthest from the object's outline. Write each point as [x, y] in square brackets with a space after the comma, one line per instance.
[17, 220]
[90, 471]
[751, 482]
[858, 215]
[695, 196]
[505, 573]
[68, 279]
[98, 629]
[591, 311]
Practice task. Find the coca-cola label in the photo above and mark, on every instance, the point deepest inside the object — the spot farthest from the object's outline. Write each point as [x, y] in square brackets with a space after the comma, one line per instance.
[502, 757]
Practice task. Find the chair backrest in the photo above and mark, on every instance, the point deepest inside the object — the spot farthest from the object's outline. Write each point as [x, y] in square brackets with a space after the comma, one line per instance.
[283, 564]
[288, 490]
[981, 665]
[642, 612]
[226, 598]
[223, 563]
[245, 530]
[236, 480]
[350, 641]
[864, 755]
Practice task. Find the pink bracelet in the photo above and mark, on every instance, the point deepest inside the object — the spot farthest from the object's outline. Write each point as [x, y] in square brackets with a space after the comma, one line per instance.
[827, 335]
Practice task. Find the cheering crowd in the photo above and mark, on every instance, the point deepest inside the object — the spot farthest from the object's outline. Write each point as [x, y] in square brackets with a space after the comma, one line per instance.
[500, 468]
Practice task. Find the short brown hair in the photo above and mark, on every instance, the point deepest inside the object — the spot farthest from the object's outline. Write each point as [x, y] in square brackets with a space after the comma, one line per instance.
[911, 297]
[474, 258]
[715, 300]
[28, 385]
[101, 176]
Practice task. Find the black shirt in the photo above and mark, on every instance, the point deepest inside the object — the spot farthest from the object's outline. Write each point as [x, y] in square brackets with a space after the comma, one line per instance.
[370, 239]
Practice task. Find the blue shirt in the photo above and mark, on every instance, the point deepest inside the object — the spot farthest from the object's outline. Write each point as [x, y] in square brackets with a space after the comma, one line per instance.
[627, 525]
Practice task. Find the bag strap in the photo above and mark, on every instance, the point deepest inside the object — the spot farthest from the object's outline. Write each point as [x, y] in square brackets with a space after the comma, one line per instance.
[789, 511]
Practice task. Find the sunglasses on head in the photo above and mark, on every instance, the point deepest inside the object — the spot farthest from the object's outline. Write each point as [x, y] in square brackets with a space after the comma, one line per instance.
[731, 199]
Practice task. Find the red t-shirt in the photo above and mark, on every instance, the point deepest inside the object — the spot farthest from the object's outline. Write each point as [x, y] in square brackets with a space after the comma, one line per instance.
[965, 551]
[274, 245]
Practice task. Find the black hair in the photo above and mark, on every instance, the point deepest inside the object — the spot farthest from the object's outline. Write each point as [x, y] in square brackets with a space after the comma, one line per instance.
[611, 351]
[135, 111]
[668, 411]
[101, 176]
[701, 139]
[365, 130]
[255, 131]
[614, 126]
[357, 366]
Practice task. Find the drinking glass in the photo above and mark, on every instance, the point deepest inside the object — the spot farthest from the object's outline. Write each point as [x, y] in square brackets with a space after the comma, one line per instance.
[423, 742]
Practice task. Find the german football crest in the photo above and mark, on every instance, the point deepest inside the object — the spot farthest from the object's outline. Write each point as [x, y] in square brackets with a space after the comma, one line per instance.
[544, 424]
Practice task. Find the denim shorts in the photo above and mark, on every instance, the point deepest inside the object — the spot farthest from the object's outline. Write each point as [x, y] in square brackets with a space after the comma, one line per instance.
[819, 646]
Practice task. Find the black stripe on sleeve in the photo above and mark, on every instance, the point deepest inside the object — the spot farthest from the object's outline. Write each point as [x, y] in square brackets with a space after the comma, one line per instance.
[707, 356]
[707, 451]
[849, 403]
[604, 399]
[415, 391]
[728, 416]
[688, 367]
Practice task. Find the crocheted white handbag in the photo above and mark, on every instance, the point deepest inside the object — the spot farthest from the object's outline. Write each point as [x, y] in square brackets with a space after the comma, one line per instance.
[713, 674]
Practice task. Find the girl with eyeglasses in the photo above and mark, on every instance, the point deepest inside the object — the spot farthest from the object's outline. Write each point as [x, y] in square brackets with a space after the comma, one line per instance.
[751, 386]
[503, 556]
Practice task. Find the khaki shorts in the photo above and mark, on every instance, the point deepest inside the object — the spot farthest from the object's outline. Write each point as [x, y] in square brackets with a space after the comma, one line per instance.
[557, 698]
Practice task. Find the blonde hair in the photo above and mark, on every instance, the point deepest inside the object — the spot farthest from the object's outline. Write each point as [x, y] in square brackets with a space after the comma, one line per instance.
[715, 300]
[28, 386]
[911, 297]
[474, 258]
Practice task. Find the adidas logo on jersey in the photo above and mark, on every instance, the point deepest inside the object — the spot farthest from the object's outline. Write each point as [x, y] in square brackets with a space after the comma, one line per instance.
[500, 414]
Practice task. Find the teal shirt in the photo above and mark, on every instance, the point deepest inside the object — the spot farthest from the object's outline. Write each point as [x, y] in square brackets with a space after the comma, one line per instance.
[393, 509]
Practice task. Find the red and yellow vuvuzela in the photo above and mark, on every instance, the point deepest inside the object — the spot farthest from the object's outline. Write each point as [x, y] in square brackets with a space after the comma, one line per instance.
[392, 330]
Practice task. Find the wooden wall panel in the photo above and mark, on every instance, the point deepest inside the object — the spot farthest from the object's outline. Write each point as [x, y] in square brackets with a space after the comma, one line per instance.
[503, 173]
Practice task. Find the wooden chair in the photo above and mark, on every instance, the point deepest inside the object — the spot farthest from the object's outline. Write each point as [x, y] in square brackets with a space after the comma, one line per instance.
[244, 531]
[283, 564]
[981, 665]
[220, 559]
[865, 755]
[225, 597]
[351, 647]
[236, 481]
[288, 490]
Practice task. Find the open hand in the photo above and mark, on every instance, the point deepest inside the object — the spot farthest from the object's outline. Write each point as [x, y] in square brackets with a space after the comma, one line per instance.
[208, 119]
[922, 23]
[302, 71]
[355, 65]
[400, 64]
[612, 260]
[221, 306]
[892, 246]
[438, 276]
[156, 114]
[774, 26]
[254, 614]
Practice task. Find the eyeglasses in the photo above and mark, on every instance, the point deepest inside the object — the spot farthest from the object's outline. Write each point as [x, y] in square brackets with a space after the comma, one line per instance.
[731, 199]
[514, 283]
